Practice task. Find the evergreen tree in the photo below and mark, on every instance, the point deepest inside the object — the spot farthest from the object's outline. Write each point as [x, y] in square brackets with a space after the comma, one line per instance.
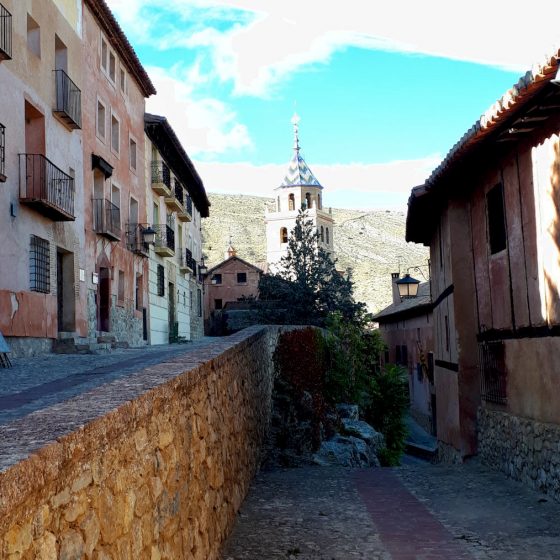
[307, 283]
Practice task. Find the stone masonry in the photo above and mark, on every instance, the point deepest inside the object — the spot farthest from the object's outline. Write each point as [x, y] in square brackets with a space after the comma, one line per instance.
[153, 465]
[522, 448]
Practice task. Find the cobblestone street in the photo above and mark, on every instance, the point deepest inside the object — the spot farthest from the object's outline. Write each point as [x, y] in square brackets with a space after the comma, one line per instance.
[416, 512]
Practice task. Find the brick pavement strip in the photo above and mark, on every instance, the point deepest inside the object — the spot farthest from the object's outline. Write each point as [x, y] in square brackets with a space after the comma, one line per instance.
[417, 512]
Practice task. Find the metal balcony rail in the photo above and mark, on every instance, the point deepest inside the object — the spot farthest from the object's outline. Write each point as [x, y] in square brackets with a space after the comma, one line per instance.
[189, 204]
[2, 152]
[179, 193]
[43, 183]
[493, 373]
[188, 258]
[135, 239]
[106, 218]
[161, 173]
[5, 34]
[68, 100]
[165, 236]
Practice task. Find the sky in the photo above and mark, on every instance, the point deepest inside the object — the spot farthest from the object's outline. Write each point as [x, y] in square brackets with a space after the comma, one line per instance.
[383, 89]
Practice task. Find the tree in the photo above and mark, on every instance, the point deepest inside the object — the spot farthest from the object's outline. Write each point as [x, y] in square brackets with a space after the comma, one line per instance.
[307, 283]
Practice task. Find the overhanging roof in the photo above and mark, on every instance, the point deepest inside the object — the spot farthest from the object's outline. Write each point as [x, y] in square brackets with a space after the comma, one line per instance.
[159, 131]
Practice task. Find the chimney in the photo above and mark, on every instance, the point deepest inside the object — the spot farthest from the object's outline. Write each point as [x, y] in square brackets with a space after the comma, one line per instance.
[394, 277]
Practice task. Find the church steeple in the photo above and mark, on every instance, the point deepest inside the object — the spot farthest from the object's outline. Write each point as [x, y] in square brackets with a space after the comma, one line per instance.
[299, 174]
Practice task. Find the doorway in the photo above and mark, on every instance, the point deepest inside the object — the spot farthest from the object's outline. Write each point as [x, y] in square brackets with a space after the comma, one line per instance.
[173, 326]
[65, 288]
[104, 300]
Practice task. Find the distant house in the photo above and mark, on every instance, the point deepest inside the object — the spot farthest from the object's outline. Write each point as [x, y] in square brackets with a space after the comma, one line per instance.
[230, 282]
[489, 214]
[406, 327]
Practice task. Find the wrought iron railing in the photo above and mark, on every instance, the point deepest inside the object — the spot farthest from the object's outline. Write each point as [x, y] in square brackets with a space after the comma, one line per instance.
[2, 152]
[493, 373]
[5, 34]
[106, 218]
[135, 239]
[68, 99]
[42, 181]
[188, 258]
[189, 204]
[179, 192]
[161, 173]
[165, 236]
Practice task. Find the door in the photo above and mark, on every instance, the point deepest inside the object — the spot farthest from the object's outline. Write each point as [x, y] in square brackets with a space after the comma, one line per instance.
[59, 292]
[104, 300]
[173, 327]
[65, 290]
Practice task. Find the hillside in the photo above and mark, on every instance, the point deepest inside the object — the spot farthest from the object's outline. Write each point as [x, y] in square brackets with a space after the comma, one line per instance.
[370, 243]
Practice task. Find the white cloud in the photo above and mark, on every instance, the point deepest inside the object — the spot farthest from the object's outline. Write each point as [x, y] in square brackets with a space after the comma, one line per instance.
[358, 186]
[281, 37]
[204, 126]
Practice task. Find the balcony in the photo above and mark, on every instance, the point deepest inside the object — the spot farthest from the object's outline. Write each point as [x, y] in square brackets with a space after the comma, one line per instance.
[175, 201]
[187, 261]
[135, 239]
[2, 153]
[46, 188]
[161, 178]
[68, 103]
[5, 34]
[185, 214]
[106, 219]
[164, 243]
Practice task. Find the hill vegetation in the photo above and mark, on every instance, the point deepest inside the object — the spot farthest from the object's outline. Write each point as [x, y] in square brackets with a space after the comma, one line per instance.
[370, 243]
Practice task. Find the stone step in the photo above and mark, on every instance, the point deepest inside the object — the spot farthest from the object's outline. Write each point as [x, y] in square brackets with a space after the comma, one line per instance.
[106, 338]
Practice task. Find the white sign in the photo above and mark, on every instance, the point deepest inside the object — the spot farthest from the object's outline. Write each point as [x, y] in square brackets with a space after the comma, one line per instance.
[82, 275]
[95, 278]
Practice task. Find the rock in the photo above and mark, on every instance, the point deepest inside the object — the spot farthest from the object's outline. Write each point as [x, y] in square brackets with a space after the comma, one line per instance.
[365, 432]
[349, 411]
[71, 545]
[345, 451]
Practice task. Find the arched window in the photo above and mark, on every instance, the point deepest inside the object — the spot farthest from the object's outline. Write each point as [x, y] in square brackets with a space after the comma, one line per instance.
[320, 203]
[278, 205]
[308, 199]
[328, 236]
[322, 234]
[283, 235]
[291, 202]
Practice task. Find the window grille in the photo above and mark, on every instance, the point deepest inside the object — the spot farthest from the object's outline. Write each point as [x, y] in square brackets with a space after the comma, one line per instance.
[493, 374]
[160, 280]
[5, 34]
[39, 265]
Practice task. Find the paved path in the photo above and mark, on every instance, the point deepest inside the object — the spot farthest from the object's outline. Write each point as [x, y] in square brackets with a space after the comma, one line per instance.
[416, 512]
[35, 383]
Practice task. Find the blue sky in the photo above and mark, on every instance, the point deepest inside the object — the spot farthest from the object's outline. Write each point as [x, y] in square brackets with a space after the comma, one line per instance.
[383, 92]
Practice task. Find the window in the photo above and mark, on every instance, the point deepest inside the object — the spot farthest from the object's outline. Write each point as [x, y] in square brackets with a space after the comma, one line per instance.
[120, 292]
[132, 153]
[33, 36]
[308, 200]
[199, 300]
[322, 234]
[404, 355]
[104, 55]
[116, 196]
[138, 293]
[101, 120]
[283, 235]
[497, 236]
[60, 54]
[156, 214]
[133, 211]
[291, 202]
[216, 279]
[112, 66]
[217, 304]
[328, 238]
[115, 134]
[160, 280]
[39, 265]
[122, 80]
[242, 278]
[493, 372]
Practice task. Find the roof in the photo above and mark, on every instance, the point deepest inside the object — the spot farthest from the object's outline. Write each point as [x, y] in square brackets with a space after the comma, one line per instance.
[118, 40]
[159, 131]
[407, 307]
[229, 259]
[521, 109]
[299, 174]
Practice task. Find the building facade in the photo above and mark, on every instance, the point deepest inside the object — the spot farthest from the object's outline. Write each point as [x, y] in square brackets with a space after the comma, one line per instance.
[116, 87]
[299, 190]
[407, 329]
[489, 214]
[42, 287]
[176, 202]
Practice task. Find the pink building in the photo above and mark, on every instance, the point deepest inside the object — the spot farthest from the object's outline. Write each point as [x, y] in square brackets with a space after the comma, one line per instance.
[489, 214]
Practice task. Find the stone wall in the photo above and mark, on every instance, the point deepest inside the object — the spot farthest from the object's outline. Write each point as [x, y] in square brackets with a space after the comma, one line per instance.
[153, 465]
[522, 448]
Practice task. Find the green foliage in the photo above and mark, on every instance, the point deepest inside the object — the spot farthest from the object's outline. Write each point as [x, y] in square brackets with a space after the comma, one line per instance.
[307, 284]
[300, 363]
[386, 410]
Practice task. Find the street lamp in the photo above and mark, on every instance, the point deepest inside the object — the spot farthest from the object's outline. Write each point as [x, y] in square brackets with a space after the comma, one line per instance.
[149, 235]
[408, 286]
[203, 269]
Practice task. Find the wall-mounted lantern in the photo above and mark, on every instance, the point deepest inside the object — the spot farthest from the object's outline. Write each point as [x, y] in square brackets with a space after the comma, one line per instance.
[149, 235]
[408, 286]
